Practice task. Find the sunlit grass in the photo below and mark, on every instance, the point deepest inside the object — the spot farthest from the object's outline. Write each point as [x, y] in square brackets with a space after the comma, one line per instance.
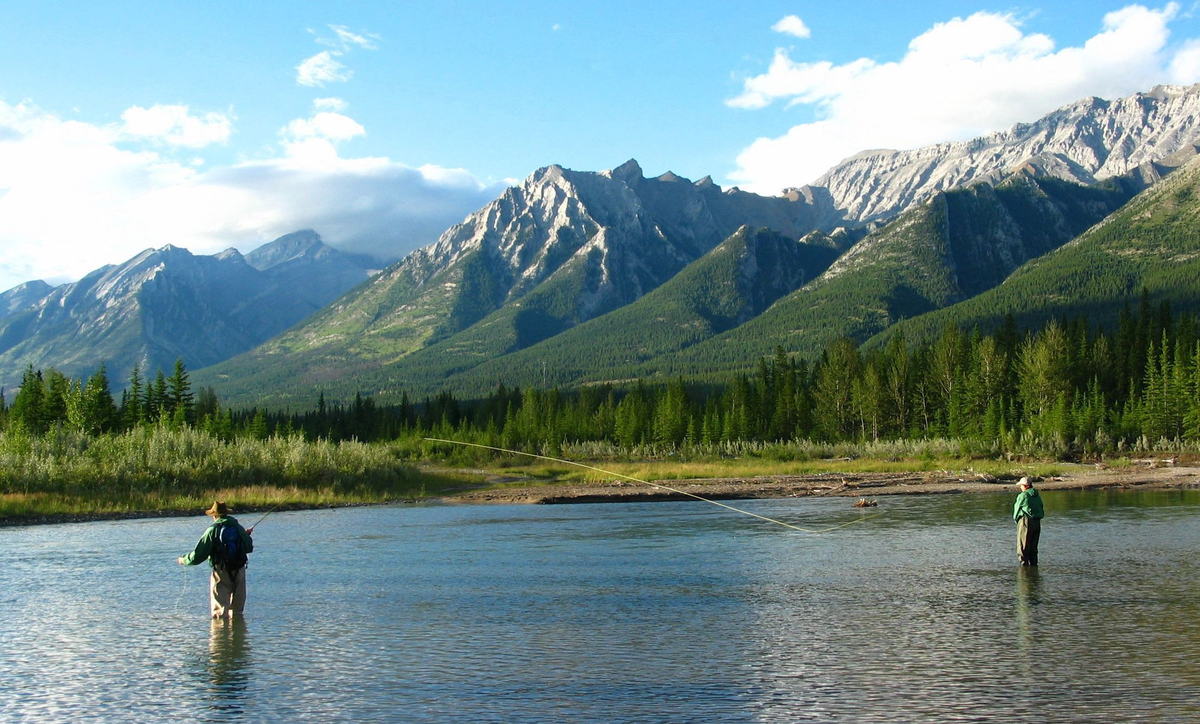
[156, 469]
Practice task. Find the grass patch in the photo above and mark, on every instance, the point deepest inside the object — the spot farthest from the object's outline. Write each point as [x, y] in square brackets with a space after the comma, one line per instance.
[156, 469]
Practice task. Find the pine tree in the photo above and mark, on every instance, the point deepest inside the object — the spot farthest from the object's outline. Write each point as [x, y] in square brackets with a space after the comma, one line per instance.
[1043, 374]
[99, 414]
[833, 390]
[157, 404]
[27, 412]
[134, 411]
[179, 392]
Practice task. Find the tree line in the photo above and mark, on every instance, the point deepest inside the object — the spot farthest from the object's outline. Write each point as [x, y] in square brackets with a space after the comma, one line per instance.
[1067, 388]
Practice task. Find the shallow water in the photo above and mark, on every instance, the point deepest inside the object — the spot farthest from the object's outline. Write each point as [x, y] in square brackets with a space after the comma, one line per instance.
[658, 612]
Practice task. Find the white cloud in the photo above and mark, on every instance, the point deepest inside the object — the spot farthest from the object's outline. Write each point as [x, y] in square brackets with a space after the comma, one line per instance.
[74, 196]
[1185, 66]
[176, 126]
[345, 39]
[792, 25]
[326, 124]
[330, 104]
[960, 79]
[322, 68]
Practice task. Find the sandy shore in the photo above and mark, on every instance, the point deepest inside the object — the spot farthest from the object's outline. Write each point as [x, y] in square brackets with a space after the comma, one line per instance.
[857, 485]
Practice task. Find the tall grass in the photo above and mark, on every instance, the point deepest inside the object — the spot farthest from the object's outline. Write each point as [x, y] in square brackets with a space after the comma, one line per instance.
[155, 468]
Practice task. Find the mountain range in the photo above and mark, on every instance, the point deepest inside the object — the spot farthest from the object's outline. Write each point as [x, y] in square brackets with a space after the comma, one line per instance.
[576, 277]
[168, 303]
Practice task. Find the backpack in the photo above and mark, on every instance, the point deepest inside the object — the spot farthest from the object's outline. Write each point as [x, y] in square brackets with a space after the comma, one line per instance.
[227, 549]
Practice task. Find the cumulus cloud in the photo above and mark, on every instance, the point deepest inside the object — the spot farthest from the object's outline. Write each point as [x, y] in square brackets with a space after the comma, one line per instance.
[960, 79]
[1185, 66]
[74, 196]
[792, 25]
[175, 125]
[322, 68]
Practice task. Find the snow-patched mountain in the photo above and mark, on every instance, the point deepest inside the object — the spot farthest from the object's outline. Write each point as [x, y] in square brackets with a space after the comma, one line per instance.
[564, 247]
[560, 248]
[168, 303]
[1084, 142]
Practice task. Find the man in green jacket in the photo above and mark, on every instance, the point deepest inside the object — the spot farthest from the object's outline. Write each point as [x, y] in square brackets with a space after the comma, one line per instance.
[227, 588]
[1028, 513]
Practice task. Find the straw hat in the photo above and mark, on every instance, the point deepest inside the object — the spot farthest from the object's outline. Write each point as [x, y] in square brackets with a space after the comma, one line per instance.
[218, 509]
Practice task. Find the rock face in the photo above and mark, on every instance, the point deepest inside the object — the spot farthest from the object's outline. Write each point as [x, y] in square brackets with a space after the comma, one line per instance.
[726, 287]
[22, 296]
[565, 247]
[560, 248]
[1085, 142]
[1150, 246]
[168, 303]
[952, 247]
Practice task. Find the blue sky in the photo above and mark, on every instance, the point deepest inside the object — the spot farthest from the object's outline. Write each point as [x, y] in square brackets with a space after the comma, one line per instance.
[208, 125]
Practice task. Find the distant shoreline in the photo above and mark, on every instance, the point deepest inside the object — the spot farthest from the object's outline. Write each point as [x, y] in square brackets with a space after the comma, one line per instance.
[850, 485]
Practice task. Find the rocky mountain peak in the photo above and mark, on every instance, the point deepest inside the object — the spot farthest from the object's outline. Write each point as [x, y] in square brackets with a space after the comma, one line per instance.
[1084, 142]
[303, 243]
[629, 172]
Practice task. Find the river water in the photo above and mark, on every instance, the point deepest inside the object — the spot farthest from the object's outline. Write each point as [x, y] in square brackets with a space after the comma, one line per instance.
[657, 612]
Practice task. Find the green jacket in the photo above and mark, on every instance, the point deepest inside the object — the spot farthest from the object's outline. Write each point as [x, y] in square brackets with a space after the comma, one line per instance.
[1028, 505]
[204, 548]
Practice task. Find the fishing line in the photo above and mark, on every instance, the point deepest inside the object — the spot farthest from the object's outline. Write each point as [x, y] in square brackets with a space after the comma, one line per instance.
[182, 587]
[272, 510]
[657, 485]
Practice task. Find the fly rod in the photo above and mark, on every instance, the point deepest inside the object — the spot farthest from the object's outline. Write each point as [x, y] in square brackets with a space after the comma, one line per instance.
[272, 510]
[656, 485]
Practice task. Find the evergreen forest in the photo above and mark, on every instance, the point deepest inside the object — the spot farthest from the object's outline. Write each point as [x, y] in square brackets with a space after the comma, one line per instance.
[1067, 390]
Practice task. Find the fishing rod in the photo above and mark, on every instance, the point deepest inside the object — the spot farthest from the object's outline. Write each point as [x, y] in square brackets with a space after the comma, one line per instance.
[272, 510]
[657, 485]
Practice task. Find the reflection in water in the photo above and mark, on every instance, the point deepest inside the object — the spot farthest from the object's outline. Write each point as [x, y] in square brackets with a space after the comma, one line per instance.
[1029, 594]
[228, 665]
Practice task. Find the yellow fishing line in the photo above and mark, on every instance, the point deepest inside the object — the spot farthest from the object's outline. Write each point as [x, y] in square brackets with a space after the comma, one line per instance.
[657, 485]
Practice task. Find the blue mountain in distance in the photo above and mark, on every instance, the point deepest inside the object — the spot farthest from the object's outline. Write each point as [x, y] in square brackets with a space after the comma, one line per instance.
[168, 303]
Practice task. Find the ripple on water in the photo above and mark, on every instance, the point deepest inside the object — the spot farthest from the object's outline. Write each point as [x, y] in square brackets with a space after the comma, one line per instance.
[644, 612]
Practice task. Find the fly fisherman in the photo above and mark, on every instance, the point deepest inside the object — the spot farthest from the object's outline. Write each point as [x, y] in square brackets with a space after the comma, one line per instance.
[224, 544]
[1028, 513]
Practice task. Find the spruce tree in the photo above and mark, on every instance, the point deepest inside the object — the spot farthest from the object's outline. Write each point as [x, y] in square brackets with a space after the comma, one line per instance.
[27, 409]
[179, 392]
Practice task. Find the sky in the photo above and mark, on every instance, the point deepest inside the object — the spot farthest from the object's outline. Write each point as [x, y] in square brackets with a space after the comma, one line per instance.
[130, 125]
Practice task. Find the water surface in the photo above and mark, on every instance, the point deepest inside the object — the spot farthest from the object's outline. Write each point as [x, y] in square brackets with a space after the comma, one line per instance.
[654, 612]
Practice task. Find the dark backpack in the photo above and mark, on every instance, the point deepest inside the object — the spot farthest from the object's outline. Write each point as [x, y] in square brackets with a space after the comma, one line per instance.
[227, 547]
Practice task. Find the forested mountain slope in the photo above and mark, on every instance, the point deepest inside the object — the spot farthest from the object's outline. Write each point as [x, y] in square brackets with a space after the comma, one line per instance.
[1151, 244]
[730, 285]
[950, 248]
[559, 249]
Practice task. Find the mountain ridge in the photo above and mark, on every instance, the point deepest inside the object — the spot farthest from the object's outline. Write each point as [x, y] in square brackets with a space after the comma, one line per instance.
[166, 303]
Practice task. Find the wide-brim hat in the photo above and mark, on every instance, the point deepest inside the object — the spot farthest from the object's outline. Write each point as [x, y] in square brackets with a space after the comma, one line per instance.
[218, 508]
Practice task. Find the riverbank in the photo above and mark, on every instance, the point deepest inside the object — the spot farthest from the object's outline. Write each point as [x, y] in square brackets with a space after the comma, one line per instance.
[247, 513]
[500, 487]
[503, 490]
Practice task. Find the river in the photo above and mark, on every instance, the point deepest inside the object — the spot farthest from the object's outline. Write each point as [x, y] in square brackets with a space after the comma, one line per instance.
[649, 612]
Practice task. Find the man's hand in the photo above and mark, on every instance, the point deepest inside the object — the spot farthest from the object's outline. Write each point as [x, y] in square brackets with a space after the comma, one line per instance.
[180, 560]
